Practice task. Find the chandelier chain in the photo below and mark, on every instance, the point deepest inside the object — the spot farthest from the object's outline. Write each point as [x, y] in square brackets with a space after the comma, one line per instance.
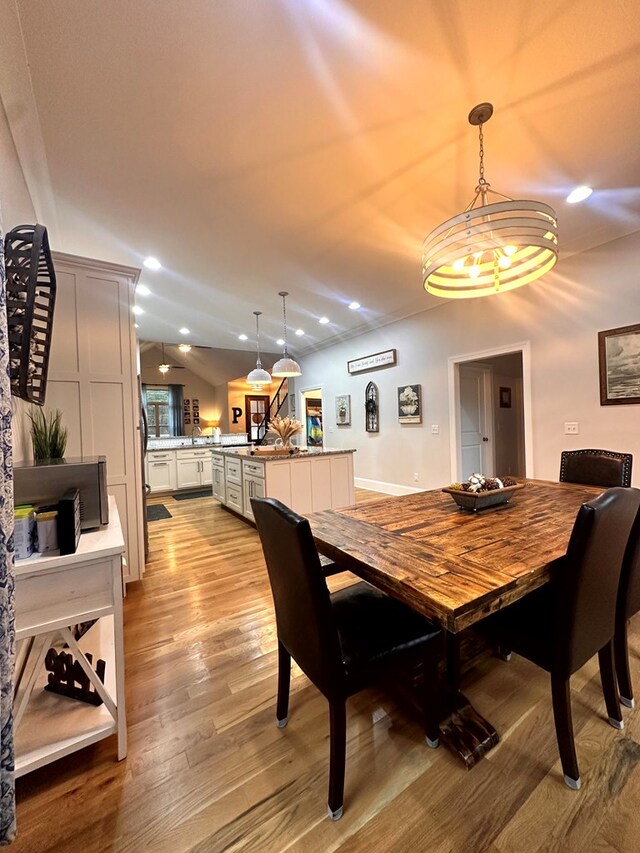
[481, 180]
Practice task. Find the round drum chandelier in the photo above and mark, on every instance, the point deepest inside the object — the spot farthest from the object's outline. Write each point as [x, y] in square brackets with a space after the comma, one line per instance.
[493, 246]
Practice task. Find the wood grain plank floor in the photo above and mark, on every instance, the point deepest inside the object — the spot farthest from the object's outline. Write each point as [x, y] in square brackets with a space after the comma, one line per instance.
[208, 770]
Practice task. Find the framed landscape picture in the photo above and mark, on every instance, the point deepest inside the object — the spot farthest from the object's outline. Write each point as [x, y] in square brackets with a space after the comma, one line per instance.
[343, 410]
[619, 357]
[410, 404]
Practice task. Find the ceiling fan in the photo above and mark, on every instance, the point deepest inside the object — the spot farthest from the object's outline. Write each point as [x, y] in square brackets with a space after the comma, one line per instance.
[165, 367]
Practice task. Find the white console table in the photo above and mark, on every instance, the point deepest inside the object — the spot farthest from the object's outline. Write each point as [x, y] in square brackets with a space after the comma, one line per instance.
[52, 594]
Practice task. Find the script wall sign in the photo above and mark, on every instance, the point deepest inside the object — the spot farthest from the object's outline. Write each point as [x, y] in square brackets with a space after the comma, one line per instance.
[370, 362]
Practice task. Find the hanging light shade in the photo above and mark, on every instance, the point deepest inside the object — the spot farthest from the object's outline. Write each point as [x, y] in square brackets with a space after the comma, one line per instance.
[493, 246]
[258, 377]
[164, 367]
[286, 366]
[184, 347]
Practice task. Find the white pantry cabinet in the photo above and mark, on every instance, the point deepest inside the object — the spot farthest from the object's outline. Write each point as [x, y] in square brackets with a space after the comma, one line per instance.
[92, 380]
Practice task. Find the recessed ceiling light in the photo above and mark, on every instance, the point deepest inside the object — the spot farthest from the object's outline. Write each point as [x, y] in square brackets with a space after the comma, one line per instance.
[137, 309]
[152, 263]
[579, 194]
[354, 306]
[299, 332]
[323, 321]
[243, 337]
[280, 342]
[143, 290]
[184, 347]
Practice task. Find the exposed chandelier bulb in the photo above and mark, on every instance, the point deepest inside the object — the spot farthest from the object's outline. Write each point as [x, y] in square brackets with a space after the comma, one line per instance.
[184, 347]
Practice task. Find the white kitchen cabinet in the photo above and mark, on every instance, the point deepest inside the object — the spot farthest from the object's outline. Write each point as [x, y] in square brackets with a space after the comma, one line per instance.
[193, 468]
[161, 471]
[307, 483]
[253, 484]
[92, 380]
[217, 476]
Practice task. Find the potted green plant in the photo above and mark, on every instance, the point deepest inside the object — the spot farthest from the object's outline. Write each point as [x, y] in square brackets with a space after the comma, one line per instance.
[48, 436]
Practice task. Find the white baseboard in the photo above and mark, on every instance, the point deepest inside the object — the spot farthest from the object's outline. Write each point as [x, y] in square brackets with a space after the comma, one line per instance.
[385, 488]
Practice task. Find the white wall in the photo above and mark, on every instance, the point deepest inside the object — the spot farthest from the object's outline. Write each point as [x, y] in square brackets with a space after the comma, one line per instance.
[560, 316]
[16, 207]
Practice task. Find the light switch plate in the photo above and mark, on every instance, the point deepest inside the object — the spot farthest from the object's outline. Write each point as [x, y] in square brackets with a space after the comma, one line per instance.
[571, 428]
[435, 429]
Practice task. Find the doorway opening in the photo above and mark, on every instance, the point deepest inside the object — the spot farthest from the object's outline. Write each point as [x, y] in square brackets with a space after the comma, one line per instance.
[490, 402]
[313, 424]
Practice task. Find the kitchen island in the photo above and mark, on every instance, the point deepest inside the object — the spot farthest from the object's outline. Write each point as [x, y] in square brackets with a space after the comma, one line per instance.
[307, 481]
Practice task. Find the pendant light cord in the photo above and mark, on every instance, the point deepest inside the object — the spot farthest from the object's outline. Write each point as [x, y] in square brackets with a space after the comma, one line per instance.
[284, 314]
[258, 362]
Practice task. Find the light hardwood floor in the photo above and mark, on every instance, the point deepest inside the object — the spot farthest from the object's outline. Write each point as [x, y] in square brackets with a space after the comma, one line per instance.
[208, 770]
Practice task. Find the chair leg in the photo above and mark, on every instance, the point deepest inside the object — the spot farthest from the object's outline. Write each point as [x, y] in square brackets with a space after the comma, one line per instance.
[561, 698]
[504, 651]
[284, 680]
[621, 654]
[609, 686]
[337, 756]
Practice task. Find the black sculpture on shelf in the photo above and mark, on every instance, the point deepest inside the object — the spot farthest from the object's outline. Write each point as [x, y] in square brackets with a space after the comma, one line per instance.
[31, 297]
[65, 672]
[371, 407]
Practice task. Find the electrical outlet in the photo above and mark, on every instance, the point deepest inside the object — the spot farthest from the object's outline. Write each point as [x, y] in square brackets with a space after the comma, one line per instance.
[571, 428]
[416, 477]
[435, 429]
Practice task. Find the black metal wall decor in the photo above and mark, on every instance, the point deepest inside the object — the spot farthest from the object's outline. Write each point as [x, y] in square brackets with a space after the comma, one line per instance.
[371, 407]
[31, 297]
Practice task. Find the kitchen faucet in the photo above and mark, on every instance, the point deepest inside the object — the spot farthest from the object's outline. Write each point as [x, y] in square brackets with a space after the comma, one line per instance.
[193, 429]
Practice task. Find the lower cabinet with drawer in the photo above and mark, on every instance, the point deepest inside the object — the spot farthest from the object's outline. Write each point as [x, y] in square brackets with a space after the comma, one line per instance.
[233, 494]
[161, 471]
[217, 476]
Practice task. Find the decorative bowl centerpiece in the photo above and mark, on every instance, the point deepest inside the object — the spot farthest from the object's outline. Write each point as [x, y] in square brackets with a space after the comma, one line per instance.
[480, 492]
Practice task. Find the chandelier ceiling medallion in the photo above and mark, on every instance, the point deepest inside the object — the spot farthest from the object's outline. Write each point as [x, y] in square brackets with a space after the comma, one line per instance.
[493, 246]
[258, 377]
[285, 366]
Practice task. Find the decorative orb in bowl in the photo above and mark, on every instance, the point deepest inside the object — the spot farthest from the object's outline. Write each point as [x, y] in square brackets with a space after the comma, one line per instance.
[477, 496]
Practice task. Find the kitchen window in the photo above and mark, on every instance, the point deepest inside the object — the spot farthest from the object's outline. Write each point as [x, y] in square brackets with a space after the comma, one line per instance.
[158, 408]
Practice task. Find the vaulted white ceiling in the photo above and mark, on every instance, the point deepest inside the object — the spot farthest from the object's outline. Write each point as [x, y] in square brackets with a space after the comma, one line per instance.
[310, 145]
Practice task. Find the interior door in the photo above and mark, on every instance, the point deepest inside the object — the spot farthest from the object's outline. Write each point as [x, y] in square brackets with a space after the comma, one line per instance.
[255, 407]
[475, 421]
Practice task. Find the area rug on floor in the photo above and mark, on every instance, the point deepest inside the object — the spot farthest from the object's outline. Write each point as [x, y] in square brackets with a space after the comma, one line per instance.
[187, 496]
[156, 512]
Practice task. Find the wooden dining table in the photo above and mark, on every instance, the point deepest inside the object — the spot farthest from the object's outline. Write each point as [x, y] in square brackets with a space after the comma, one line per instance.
[455, 566]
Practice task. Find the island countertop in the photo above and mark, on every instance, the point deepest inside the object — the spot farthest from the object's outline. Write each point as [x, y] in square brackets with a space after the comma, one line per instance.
[302, 453]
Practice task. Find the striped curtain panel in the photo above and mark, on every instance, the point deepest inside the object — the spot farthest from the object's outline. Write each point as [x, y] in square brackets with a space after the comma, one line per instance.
[7, 581]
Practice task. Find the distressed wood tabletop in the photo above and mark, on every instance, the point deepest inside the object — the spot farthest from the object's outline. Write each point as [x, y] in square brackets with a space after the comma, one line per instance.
[453, 565]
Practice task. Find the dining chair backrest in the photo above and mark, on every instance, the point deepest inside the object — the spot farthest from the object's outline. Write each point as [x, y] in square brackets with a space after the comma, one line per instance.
[304, 614]
[604, 468]
[587, 584]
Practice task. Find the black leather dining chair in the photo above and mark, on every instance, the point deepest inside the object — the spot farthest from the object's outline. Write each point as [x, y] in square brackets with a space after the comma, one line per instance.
[628, 606]
[563, 624]
[342, 641]
[604, 468]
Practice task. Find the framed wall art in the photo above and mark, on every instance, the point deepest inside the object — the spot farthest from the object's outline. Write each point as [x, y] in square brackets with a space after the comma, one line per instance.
[410, 404]
[343, 410]
[505, 398]
[371, 407]
[619, 357]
